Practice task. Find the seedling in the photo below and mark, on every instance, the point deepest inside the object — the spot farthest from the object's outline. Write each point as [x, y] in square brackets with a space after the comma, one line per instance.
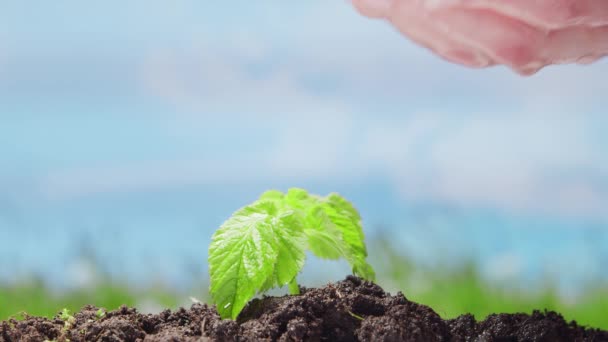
[68, 320]
[66, 316]
[263, 245]
[100, 313]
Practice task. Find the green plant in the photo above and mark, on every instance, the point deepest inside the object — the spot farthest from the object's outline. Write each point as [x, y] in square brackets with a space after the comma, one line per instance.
[69, 321]
[263, 245]
[66, 316]
[100, 313]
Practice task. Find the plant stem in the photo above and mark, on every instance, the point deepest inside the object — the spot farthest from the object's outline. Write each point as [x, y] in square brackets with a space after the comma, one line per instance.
[294, 289]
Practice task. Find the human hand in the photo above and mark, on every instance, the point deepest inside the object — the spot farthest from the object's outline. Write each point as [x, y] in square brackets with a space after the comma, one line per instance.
[525, 35]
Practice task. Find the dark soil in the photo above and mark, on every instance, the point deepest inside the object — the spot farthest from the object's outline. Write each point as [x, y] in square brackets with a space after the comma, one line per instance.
[350, 310]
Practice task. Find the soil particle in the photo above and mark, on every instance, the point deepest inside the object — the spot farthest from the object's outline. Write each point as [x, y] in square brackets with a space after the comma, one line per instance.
[350, 310]
[30, 329]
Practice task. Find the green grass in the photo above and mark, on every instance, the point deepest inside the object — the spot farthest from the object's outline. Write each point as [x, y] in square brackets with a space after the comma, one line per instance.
[36, 299]
[450, 296]
[449, 291]
[452, 291]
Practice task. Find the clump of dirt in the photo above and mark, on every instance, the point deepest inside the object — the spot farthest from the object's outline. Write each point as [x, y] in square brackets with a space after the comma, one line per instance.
[350, 310]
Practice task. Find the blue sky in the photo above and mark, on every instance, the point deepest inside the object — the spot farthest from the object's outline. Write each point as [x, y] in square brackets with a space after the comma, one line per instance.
[99, 101]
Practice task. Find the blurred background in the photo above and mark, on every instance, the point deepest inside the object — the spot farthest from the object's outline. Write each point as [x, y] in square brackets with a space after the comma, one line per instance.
[129, 131]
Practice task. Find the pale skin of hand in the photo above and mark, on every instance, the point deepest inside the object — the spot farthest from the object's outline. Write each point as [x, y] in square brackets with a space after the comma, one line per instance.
[525, 35]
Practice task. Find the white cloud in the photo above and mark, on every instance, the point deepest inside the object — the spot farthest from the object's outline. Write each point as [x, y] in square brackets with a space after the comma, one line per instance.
[208, 83]
[534, 155]
[314, 146]
[367, 60]
[135, 177]
[513, 158]
[523, 162]
[520, 163]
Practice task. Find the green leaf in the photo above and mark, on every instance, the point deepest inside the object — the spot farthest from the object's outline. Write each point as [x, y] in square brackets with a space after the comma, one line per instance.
[324, 238]
[347, 219]
[263, 245]
[244, 255]
[290, 242]
[299, 199]
[272, 195]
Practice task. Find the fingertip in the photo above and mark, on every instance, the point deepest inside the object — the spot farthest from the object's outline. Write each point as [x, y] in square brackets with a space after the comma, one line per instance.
[529, 70]
[373, 8]
[589, 59]
[468, 57]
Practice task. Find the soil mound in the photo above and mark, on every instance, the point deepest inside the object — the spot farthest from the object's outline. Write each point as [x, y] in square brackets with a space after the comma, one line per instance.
[350, 310]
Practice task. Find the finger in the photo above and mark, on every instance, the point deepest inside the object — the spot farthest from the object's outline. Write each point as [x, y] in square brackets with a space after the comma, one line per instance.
[580, 45]
[373, 8]
[414, 23]
[505, 40]
[547, 14]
